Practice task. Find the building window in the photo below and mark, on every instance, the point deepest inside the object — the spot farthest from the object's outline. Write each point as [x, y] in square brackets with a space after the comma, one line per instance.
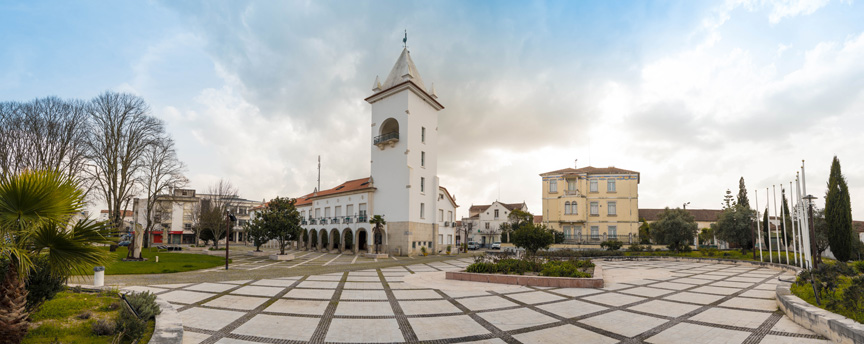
[611, 208]
[573, 210]
[423, 134]
[567, 208]
[496, 213]
[487, 225]
[610, 185]
[593, 185]
[327, 212]
[449, 239]
[450, 216]
[317, 212]
[440, 239]
[595, 209]
[595, 232]
[188, 226]
[571, 184]
[422, 210]
[422, 159]
[553, 186]
[440, 215]
[613, 232]
[422, 184]
[338, 211]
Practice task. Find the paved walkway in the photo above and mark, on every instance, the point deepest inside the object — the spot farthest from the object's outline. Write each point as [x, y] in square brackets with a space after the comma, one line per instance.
[647, 301]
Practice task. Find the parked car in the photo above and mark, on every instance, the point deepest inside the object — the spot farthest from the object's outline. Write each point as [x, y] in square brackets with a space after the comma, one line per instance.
[124, 243]
[473, 245]
[496, 246]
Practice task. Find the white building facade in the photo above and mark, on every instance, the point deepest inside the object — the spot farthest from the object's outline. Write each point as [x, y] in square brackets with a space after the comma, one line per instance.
[403, 187]
[483, 223]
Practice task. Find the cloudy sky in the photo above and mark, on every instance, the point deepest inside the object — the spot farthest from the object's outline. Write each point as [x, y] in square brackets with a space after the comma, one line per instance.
[692, 94]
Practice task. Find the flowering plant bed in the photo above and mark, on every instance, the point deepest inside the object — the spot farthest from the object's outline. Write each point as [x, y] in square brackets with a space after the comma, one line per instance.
[551, 273]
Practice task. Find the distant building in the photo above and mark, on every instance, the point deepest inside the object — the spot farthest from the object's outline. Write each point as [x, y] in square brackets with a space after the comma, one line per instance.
[704, 219]
[592, 204]
[483, 223]
[128, 220]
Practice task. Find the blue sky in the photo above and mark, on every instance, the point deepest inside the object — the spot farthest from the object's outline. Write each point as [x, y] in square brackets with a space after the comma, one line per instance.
[691, 94]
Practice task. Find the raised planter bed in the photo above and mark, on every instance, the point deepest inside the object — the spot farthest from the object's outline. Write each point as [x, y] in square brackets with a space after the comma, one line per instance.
[376, 255]
[281, 257]
[837, 328]
[258, 253]
[596, 281]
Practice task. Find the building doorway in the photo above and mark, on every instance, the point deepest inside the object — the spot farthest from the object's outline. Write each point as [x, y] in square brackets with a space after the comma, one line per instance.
[362, 241]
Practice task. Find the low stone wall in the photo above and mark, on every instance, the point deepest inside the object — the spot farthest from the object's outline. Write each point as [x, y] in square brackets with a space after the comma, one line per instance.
[169, 326]
[538, 281]
[837, 328]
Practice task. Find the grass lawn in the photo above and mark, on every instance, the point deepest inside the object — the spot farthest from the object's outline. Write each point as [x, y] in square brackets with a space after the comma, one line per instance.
[168, 262]
[58, 320]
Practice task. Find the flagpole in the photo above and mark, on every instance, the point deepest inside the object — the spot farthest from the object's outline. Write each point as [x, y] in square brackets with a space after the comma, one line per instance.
[783, 225]
[795, 237]
[774, 194]
[758, 225]
[805, 244]
[768, 225]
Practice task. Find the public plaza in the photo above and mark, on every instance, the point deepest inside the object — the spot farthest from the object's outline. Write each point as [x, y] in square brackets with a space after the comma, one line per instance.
[407, 300]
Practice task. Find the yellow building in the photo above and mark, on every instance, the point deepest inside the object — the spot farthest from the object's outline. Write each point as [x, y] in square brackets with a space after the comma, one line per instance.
[592, 204]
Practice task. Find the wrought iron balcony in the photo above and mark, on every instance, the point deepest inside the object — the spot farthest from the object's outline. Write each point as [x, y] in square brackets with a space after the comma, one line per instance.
[571, 192]
[391, 137]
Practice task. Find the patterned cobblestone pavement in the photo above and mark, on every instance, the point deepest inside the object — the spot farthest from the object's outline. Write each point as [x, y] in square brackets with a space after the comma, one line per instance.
[645, 301]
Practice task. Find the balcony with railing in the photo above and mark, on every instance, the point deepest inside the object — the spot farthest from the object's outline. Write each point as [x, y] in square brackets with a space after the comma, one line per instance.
[573, 192]
[388, 138]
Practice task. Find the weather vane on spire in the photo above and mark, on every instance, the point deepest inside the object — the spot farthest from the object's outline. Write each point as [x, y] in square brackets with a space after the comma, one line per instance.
[405, 40]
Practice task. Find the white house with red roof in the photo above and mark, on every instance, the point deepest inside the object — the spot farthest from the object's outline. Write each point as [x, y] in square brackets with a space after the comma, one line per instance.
[403, 187]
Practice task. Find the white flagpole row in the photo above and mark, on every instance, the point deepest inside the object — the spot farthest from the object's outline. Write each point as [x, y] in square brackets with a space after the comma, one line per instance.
[768, 225]
[777, 228]
[783, 225]
[795, 236]
[758, 226]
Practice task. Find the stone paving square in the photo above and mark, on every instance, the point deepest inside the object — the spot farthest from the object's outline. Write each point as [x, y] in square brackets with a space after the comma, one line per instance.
[318, 284]
[323, 278]
[325, 294]
[364, 331]
[624, 323]
[762, 294]
[685, 333]
[646, 291]
[363, 278]
[739, 285]
[400, 285]
[258, 291]
[190, 337]
[485, 302]
[172, 286]
[708, 277]
[208, 319]
[772, 339]
[614, 299]
[716, 290]
[364, 285]
[690, 280]
[349, 294]
[274, 282]
[745, 279]
[428, 307]
[446, 327]
[766, 286]
[237, 282]
[787, 325]
[183, 296]
[311, 307]
[535, 297]
[732, 317]
[565, 334]
[226, 340]
[416, 294]
[464, 293]
[245, 303]
[672, 285]
[364, 308]
[748, 303]
[141, 289]
[512, 319]
[279, 326]
[665, 308]
[571, 308]
[576, 292]
[616, 286]
[702, 299]
[210, 287]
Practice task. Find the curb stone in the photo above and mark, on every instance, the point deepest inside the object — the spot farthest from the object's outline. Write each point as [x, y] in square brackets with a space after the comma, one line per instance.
[837, 328]
[169, 326]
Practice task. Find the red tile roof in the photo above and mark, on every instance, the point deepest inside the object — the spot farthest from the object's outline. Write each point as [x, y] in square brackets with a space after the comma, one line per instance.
[858, 226]
[594, 170]
[538, 219]
[349, 186]
[452, 199]
[475, 209]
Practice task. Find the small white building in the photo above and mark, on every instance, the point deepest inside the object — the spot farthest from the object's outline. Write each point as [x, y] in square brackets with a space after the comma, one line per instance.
[483, 223]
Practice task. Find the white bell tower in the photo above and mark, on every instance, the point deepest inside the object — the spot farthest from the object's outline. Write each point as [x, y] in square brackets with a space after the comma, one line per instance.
[404, 144]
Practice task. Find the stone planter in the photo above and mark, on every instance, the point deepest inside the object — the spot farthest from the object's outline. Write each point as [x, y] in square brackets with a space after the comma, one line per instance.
[280, 257]
[538, 281]
[376, 255]
[835, 327]
[257, 253]
[214, 252]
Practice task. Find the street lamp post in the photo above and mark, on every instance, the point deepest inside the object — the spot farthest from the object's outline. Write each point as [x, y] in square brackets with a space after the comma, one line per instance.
[229, 218]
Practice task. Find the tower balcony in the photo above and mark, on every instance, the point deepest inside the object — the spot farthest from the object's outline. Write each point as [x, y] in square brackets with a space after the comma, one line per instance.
[387, 139]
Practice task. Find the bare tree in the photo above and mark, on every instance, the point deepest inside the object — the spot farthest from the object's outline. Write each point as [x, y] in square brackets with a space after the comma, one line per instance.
[221, 198]
[45, 134]
[161, 173]
[121, 130]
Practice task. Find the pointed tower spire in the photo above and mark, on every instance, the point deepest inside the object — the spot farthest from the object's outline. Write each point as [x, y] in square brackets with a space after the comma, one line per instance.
[403, 70]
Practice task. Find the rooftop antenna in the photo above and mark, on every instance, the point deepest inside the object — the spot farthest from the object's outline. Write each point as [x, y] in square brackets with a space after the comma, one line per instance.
[575, 163]
[405, 40]
[319, 172]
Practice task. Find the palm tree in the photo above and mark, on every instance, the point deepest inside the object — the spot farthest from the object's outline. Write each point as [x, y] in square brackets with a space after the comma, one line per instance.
[379, 223]
[36, 208]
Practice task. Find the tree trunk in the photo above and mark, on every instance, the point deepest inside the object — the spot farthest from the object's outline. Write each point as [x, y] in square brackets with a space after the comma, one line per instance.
[14, 319]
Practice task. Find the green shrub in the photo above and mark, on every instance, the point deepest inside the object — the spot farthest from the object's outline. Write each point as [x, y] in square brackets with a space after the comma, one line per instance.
[482, 268]
[103, 327]
[131, 326]
[635, 248]
[570, 253]
[859, 265]
[563, 269]
[611, 245]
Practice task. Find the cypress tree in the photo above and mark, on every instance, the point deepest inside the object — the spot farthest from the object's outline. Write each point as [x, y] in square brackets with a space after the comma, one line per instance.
[786, 224]
[838, 214]
[742, 194]
[766, 229]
